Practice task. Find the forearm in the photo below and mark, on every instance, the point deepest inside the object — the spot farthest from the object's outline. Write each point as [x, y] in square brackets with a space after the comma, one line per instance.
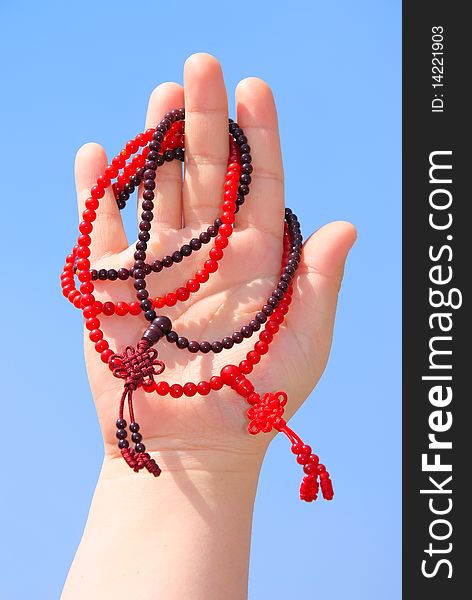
[185, 534]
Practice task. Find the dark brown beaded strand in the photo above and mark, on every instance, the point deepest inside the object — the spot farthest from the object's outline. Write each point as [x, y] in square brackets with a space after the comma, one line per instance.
[138, 366]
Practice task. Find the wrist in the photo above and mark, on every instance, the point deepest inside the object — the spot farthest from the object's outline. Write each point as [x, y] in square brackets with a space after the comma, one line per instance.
[219, 453]
[217, 467]
[184, 534]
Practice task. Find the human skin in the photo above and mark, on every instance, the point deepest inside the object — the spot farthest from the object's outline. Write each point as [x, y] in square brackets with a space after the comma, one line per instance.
[186, 534]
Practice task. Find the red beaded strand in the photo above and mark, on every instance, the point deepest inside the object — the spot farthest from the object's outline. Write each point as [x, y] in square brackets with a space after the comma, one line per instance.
[138, 366]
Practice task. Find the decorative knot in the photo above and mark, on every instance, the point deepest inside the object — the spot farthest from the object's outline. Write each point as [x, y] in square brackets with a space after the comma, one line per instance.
[267, 413]
[309, 488]
[137, 366]
[139, 460]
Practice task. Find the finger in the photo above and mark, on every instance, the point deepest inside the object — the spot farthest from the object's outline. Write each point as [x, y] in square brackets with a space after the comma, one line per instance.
[206, 138]
[108, 233]
[168, 192]
[257, 116]
[317, 285]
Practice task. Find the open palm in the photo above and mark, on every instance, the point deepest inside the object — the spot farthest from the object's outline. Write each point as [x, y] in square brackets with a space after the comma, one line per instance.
[246, 276]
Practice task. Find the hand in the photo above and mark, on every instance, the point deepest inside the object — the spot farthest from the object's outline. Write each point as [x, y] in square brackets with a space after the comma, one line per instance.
[201, 430]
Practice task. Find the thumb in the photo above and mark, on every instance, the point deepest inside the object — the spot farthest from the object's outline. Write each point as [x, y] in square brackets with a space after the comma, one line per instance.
[325, 252]
[316, 290]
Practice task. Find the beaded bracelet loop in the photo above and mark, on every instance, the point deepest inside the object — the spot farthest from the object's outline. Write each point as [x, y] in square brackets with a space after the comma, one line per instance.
[139, 367]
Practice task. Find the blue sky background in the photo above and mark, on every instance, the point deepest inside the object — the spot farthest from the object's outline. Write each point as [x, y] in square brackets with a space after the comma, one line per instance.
[73, 72]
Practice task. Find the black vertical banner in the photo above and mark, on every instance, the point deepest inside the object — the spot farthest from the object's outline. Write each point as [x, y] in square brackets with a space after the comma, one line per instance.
[437, 249]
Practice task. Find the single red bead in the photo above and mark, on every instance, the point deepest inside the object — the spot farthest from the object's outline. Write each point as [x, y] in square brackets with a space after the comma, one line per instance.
[309, 468]
[91, 204]
[226, 229]
[98, 307]
[229, 373]
[86, 288]
[203, 388]
[296, 448]
[149, 386]
[118, 161]
[171, 299]
[232, 175]
[261, 347]
[83, 252]
[77, 302]
[87, 299]
[229, 205]
[96, 335]
[306, 449]
[266, 336]
[193, 285]
[272, 327]
[314, 459]
[182, 294]
[202, 276]
[253, 357]
[97, 192]
[67, 289]
[111, 171]
[210, 265]
[302, 459]
[221, 241]
[85, 227]
[190, 389]
[101, 345]
[83, 264]
[106, 355]
[176, 390]
[245, 367]
[283, 308]
[227, 217]
[231, 184]
[230, 196]
[132, 146]
[121, 308]
[67, 278]
[140, 139]
[84, 276]
[162, 388]
[277, 317]
[216, 383]
[324, 475]
[73, 295]
[134, 308]
[321, 469]
[92, 323]
[108, 309]
[216, 253]
[89, 313]
[121, 181]
[89, 215]
[68, 283]
[159, 302]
